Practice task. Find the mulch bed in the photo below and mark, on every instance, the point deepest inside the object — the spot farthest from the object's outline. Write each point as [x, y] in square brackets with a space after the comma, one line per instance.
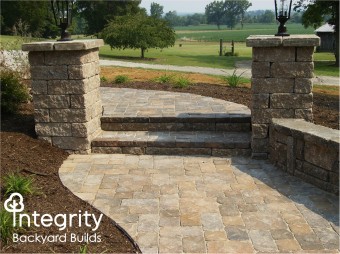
[22, 152]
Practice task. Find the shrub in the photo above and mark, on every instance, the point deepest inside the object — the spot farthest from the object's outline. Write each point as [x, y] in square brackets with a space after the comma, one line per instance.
[103, 79]
[165, 79]
[6, 225]
[234, 80]
[17, 183]
[13, 91]
[120, 79]
[181, 82]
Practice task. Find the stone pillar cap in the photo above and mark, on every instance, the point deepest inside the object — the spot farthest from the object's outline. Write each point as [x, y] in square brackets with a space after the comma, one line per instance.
[63, 45]
[295, 40]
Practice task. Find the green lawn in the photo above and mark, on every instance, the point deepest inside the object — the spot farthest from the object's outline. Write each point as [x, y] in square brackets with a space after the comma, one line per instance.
[211, 33]
[195, 53]
[205, 54]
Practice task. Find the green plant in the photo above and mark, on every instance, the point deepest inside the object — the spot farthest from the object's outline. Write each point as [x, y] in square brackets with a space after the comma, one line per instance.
[234, 80]
[6, 225]
[13, 91]
[181, 82]
[17, 183]
[83, 249]
[103, 79]
[164, 79]
[120, 79]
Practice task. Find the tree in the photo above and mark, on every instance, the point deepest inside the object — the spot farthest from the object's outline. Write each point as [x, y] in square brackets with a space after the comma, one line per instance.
[316, 11]
[98, 13]
[267, 17]
[138, 32]
[35, 14]
[172, 18]
[156, 10]
[234, 10]
[215, 13]
[229, 12]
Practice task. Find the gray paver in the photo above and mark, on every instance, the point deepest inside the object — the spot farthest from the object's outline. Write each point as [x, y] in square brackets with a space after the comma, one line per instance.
[224, 205]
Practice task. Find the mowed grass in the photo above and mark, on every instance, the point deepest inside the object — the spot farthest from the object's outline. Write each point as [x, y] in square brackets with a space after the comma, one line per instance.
[206, 54]
[211, 33]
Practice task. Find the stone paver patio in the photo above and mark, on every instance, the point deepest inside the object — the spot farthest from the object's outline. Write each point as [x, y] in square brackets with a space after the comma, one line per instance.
[174, 204]
[125, 102]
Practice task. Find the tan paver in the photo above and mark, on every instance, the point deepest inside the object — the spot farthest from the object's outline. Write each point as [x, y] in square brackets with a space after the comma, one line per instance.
[176, 204]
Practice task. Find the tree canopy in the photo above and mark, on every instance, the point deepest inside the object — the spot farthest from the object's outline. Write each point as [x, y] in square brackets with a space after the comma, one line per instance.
[35, 16]
[215, 13]
[228, 12]
[98, 13]
[156, 10]
[138, 32]
[316, 12]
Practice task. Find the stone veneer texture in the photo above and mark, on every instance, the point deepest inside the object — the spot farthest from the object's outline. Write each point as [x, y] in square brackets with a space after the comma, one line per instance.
[282, 72]
[65, 87]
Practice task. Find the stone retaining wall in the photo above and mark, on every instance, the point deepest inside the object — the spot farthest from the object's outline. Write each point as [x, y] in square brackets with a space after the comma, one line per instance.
[306, 150]
[65, 87]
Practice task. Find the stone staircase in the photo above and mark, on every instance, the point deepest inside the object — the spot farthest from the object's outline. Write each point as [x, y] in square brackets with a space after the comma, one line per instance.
[131, 129]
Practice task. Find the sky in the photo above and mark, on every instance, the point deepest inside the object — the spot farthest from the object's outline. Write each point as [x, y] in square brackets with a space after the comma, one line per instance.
[198, 6]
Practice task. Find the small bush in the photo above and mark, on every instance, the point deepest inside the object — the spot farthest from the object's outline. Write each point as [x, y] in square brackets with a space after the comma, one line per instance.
[17, 183]
[120, 79]
[164, 79]
[103, 79]
[181, 82]
[231, 54]
[13, 91]
[6, 225]
[234, 80]
[83, 249]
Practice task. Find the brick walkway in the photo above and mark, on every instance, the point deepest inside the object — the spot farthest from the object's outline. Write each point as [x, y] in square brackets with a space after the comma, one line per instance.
[173, 204]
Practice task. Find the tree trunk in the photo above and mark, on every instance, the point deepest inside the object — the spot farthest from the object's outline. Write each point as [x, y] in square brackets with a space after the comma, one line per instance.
[336, 30]
[336, 52]
[142, 52]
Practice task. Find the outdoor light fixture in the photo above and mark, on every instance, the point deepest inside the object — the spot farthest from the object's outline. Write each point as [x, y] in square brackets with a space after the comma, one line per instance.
[282, 13]
[62, 11]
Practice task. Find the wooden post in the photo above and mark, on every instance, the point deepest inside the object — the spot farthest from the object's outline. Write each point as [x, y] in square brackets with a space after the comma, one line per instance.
[221, 47]
[232, 47]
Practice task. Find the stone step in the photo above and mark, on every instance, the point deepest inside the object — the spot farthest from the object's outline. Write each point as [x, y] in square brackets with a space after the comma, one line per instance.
[183, 122]
[173, 143]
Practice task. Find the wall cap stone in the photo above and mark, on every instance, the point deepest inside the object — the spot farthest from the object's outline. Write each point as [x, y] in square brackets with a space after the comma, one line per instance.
[295, 40]
[313, 131]
[63, 45]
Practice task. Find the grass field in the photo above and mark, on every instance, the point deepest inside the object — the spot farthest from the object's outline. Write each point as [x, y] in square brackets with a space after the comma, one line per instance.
[211, 33]
[204, 53]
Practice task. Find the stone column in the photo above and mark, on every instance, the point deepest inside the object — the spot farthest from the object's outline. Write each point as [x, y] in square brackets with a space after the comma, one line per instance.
[282, 72]
[65, 87]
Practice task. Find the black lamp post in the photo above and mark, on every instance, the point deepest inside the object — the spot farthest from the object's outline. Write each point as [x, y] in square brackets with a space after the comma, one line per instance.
[282, 12]
[62, 11]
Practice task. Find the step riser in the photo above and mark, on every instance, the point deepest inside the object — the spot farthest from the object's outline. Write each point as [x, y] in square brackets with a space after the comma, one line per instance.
[172, 151]
[232, 127]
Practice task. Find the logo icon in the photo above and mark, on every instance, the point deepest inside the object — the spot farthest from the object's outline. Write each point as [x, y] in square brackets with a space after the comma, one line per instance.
[15, 203]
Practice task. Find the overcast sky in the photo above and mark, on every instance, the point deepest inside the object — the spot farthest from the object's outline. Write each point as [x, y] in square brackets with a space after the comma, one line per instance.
[193, 6]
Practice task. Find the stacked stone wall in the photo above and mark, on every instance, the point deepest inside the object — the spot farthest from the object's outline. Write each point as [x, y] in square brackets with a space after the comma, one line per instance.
[66, 97]
[306, 150]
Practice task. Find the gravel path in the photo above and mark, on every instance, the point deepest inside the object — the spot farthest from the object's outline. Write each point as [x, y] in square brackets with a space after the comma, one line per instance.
[243, 67]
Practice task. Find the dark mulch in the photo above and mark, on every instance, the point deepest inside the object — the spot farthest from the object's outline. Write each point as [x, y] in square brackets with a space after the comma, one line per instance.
[325, 108]
[21, 151]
